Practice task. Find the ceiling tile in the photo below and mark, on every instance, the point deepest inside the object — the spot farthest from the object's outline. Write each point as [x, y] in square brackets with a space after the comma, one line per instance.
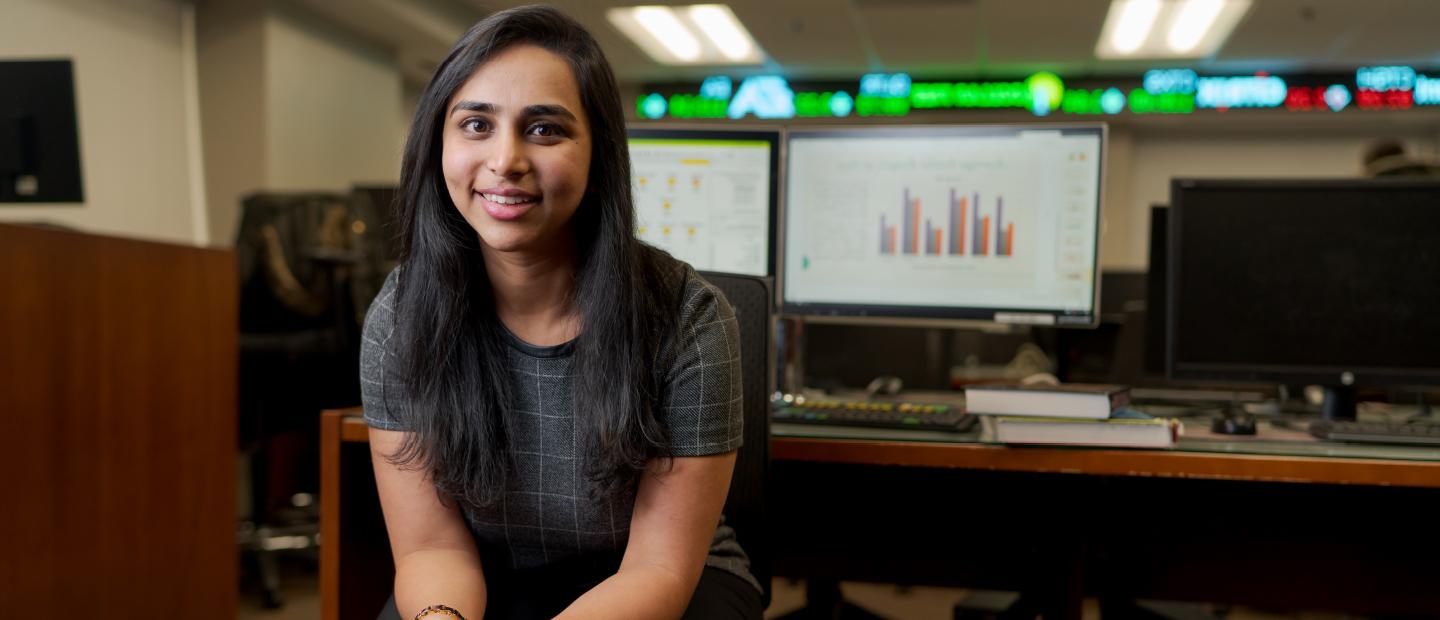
[922, 36]
[1041, 31]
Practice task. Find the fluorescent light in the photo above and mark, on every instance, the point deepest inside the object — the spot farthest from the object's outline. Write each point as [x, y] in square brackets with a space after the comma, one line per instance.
[1133, 26]
[1168, 28]
[702, 34]
[1189, 26]
[662, 24]
[721, 27]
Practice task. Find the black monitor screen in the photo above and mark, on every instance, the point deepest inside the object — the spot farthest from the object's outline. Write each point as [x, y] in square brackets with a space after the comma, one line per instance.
[39, 139]
[1296, 280]
[1155, 289]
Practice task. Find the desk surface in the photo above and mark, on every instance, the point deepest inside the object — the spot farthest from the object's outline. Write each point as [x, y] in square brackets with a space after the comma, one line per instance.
[1396, 576]
[1202, 459]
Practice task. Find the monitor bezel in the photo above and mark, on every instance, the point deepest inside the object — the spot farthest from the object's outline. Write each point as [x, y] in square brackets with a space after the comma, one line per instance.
[774, 135]
[830, 312]
[1318, 374]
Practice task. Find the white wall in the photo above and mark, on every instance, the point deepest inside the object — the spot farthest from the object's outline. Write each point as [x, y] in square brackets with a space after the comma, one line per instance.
[290, 102]
[231, 41]
[331, 100]
[1117, 226]
[1141, 169]
[129, 87]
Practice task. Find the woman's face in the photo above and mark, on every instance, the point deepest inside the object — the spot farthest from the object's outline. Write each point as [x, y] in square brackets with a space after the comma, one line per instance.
[516, 149]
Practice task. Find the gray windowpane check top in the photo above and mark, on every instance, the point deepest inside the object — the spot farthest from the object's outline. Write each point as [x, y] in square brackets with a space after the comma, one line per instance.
[545, 515]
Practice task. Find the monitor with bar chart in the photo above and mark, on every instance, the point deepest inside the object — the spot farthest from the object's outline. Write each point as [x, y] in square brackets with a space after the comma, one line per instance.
[990, 223]
[708, 196]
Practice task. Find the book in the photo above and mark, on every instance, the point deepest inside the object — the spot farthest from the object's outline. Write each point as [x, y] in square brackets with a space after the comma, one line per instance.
[1126, 429]
[1069, 400]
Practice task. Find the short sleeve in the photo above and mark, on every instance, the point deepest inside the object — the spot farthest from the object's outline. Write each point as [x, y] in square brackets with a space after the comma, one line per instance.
[702, 391]
[381, 388]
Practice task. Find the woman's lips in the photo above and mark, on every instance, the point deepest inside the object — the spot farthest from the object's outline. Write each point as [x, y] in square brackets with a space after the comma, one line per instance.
[506, 212]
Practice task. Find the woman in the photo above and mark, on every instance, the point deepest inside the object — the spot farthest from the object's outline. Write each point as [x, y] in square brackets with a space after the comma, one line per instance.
[553, 405]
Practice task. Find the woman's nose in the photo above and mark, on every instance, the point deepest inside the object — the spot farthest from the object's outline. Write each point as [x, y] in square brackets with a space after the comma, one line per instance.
[508, 160]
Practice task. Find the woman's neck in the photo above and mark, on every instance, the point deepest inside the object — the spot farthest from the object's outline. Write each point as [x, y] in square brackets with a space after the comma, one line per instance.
[533, 293]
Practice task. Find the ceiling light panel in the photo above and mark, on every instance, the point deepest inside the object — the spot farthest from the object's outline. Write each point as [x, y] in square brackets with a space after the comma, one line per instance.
[1152, 29]
[702, 34]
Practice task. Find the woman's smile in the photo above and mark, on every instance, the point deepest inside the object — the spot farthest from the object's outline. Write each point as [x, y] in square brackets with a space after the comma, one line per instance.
[506, 204]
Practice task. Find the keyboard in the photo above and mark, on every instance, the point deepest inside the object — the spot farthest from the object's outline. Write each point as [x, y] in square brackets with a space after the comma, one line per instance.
[874, 414]
[1420, 433]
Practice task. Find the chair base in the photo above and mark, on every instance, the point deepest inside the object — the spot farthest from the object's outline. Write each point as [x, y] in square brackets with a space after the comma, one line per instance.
[263, 545]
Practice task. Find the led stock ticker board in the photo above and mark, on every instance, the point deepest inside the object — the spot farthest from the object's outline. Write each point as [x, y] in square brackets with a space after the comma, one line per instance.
[1159, 91]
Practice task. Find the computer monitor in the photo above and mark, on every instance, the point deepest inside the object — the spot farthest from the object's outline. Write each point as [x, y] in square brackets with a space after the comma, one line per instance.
[1155, 285]
[1124, 294]
[708, 196]
[936, 224]
[1328, 282]
[39, 137]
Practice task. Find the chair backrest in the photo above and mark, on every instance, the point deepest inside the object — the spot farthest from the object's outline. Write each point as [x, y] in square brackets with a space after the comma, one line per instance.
[285, 286]
[754, 304]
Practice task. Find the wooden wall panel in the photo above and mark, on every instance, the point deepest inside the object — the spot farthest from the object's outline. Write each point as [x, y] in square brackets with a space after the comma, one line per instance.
[118, 393]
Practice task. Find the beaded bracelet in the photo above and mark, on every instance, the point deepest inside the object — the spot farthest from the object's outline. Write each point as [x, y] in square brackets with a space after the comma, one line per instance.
[439, 609]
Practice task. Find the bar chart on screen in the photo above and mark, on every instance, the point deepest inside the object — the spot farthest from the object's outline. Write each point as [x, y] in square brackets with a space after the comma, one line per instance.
[1004, 220]
[962, 213]
[917, 222]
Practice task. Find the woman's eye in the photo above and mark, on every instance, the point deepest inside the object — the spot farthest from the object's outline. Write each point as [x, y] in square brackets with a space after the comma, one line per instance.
[474, 125]
[545, 130]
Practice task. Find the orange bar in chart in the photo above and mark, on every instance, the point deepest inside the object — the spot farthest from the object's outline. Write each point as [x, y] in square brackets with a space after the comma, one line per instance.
[960, 233]
[1010, 239]
[915, 224]
[985, 235]
[892, 239]
[937, 242]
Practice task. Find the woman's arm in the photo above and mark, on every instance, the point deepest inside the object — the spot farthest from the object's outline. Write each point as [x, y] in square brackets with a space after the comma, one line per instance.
[676, 512]
[435, 557]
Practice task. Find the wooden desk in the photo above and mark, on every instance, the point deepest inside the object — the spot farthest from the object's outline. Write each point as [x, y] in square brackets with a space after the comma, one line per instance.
[1060, 493]
[1303, 532]
[361, 540]
[1137, 463]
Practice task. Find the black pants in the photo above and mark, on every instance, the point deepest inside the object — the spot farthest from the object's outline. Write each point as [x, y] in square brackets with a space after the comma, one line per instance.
[719, 596]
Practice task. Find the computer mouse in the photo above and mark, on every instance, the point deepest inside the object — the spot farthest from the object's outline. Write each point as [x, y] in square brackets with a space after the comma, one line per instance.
[1233, 422]
[884, 385]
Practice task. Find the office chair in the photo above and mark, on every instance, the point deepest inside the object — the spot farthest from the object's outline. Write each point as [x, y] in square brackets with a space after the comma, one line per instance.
[299, 345]
[378, 250]
[754, 305]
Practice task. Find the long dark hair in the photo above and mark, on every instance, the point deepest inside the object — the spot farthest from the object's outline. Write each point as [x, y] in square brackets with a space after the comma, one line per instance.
[459, 401]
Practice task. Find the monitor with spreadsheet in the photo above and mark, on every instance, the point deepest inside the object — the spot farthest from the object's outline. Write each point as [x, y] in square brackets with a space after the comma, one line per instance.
[708, 196]
[988, 223]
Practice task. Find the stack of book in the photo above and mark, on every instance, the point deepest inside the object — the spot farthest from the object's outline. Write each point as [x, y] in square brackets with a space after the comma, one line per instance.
[1071, 414]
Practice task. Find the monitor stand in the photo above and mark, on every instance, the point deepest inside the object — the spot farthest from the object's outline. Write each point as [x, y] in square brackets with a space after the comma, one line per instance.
[1339, 403]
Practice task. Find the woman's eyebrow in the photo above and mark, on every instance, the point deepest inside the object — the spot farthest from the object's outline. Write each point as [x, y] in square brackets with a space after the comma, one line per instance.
[547, 110]
[530, 111]
[474, 106]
